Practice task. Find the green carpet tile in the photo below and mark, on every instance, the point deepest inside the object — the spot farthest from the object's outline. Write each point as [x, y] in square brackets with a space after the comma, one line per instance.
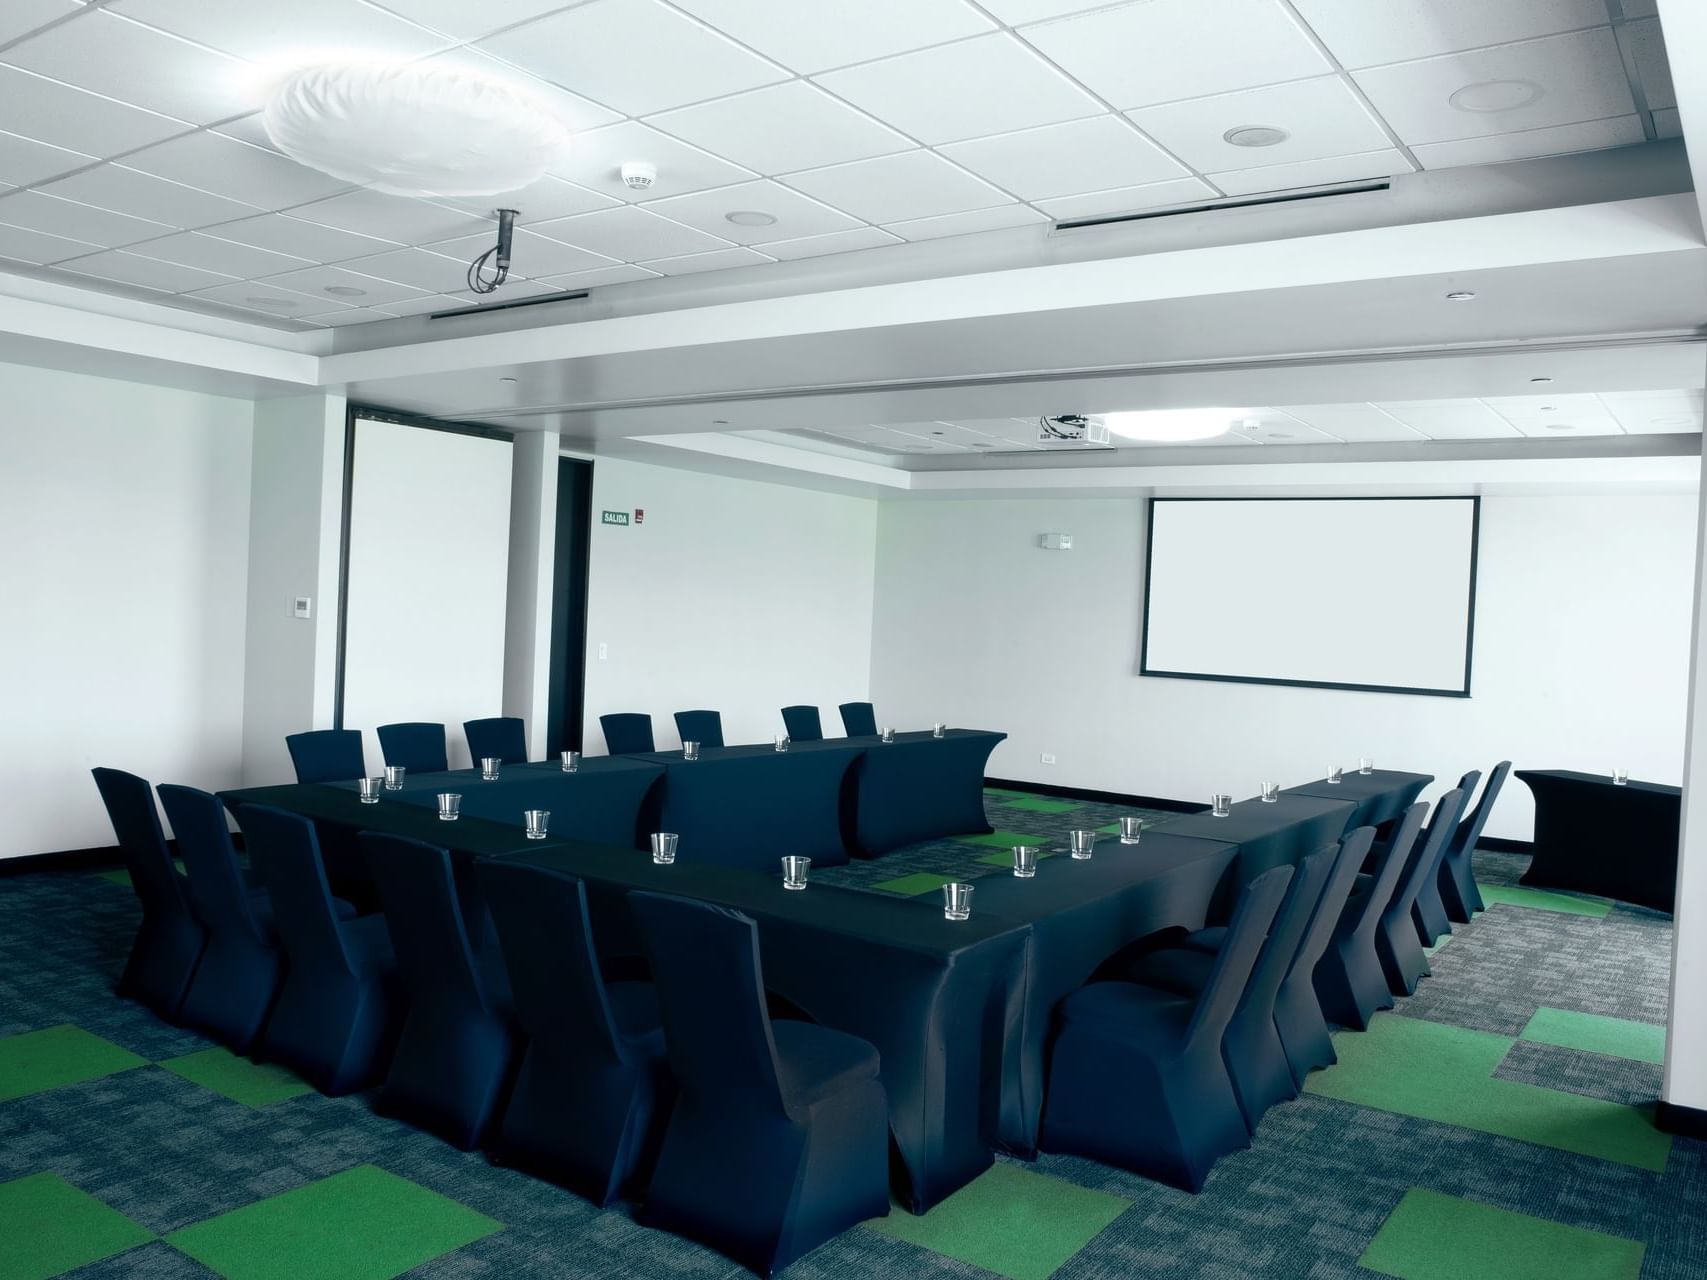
[917, 883]
[58, 1056]
[1596, 1033]
[251, 1083]
[1037, 804]
[1005, 858]
[1519, 895]
[362, 1224]
[999, 839]
[49, 1227]
[1438, 1237]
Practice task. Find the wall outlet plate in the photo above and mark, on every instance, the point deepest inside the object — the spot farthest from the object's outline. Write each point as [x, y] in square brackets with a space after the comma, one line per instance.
[1048, 758]
[301, 607]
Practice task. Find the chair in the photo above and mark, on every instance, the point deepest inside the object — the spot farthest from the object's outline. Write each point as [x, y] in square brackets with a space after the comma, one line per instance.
[1256, 1060]
[802, 724]
[417, 746]
[1136, 1076]
[1297, 1011]
[627, 732]
[337, 1015]
[1350, 982]
[327, 755]
[1396, 938]
[859, 720]
[1429, 911]
[170, 940]
[1457, 874]
[502, 736]
[703, 727]
[239, 975]
[780, 1134]
[458, 1045]
[586, 1109]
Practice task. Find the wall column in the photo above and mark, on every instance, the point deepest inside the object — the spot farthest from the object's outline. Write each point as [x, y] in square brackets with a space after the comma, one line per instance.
[533, 549]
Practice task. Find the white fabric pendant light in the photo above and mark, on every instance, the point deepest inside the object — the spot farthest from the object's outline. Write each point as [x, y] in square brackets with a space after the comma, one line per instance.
[1173, 425]
[413, 130]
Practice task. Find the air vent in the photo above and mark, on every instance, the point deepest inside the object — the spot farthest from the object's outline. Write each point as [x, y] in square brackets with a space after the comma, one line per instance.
[1179, 211]
[544, 299]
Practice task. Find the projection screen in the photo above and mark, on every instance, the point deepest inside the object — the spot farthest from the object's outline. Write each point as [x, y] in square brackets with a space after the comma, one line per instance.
[1347, 593]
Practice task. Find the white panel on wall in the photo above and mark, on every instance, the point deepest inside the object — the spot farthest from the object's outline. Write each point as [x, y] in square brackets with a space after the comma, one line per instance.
[429, 552]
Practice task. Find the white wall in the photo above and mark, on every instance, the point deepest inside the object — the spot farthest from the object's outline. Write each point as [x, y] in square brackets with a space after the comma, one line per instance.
[736, 595]
[1581, 652]
[124, 514]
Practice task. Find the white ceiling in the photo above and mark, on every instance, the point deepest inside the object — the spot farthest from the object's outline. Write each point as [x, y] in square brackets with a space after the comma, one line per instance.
[132, 159]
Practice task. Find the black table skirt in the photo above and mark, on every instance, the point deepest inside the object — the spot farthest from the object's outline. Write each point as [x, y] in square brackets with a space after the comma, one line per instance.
[1268, 835]
[918, 788]
[1593, 836]
[1380, 796]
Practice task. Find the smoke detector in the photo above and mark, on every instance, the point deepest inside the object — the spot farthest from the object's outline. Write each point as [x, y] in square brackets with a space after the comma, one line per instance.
[639, 175]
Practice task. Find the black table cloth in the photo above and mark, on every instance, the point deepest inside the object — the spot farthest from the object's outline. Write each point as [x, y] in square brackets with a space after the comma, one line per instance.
[1381, 795]
[918, 788]
[1595, 836]
[1268, 835]
[749, 806]
[1082, 912]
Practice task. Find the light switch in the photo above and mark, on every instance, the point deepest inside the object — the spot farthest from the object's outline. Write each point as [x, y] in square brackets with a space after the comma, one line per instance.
[302, 607]
[602, 650]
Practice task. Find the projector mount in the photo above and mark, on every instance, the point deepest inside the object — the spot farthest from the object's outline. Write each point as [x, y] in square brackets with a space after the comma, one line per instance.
[498, 256]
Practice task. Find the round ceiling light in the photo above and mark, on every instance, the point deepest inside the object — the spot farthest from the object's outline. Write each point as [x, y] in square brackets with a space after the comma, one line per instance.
[1173, 425]
[1541, 379]
[1255, 135]
[413, 130]
[1561, 426]
[1460, 295]
[1488, 96]
[750, 218]
[345, 291]
[272, 304]
[1672, 420]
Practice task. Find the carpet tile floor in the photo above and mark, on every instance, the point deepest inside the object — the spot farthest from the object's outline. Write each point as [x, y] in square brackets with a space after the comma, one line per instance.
[1496, 1126]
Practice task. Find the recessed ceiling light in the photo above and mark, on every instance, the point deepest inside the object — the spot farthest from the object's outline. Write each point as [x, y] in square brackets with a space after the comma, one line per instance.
[1488, 96]
[1255, 135]
[1541, 379]
[345, 291]
[1673, 420]
[1174, 424]
[509, 382]
[720, 422]
[273, 304]
[979, 444]
[1561, 426]
[1280, 435]
[1460, 295]
[750, 218]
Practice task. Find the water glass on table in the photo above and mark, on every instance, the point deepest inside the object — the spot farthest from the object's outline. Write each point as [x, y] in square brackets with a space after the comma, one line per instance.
[571, 761]
[1365, 765]
[1620, 777]
[782, 742]
[690, 751]
[369, 789]
[956, 901]
[1083, 844]
[536, 820]
[939, 729]
[1131, 829]
[888, 735]
[1270, 792]
[394, 777]
[1221, 805]
[449, 803]
[1025, 860]
[664, 847]
[1335, 773]
[794, 871]
[489, 768]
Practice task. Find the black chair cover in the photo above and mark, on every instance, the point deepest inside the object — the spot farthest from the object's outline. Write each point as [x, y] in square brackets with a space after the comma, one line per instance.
[1397, 939]
[418, 746]
[1457, 874]
[501, 736]
[1350, 982]
[703, 727]
[859, 720]
[327, 755]
[1430, 909]
[803, 724]
[627, 732]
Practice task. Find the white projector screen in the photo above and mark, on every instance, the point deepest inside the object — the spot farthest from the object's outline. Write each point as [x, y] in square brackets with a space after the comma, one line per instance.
[1352, 593]
[426, 591]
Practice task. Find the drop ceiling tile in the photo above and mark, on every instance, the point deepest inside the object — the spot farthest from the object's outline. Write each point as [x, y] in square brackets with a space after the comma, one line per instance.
[349, 315]
[419, 268]
[1313, 173]
[1322, 117]
[1273, 426]
[226, 167]
[623, 274]
[20, 17]
[795, 214]
[1653, 69]
[577, 113]
[781, 128]
[815, 37]
[1451, 419]
[630, 235]
[34, 107]
[1556, 415]
[913, 184]
[835, 242]
[24, 245]
[1015, 12]
[112, 186]
[146, 273]
[396, 218]
[1361, 34]
[538, 202]
[1356, 423]
[1150, 195]
[637, 56]
[596, 159]
[280, 35]
[426, 304]
[1655, 412]
[531, 255]
[1163, 50]
[320, 282]
[210, 253]
[1668, 123]
[59, 217]
[24, 161]
[1579, 77]
[285, 234]
[470, 21]
[104, 53]
[969, 223]
[264, 299]
[989, 84]
[248, 129]
[716, 260]
[1590, 136]
[1641, 8]
[1067, 159]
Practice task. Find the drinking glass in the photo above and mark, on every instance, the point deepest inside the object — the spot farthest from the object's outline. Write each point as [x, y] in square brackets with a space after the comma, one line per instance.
[782, 742]
[938, 729]
[449, 803]
[690, 751]
[369, 788]
[1365, 765]
[1270, 792]
[537, 820]
[394, 777]
[888, 735]
[571, 761]
[1221, 805]
[489, 768]
[1025, 860]
[1620, 777]
[1130, 830]
[794, 871]
[956, 901]
[1084, 844]
[1335, 773]
[664, 847]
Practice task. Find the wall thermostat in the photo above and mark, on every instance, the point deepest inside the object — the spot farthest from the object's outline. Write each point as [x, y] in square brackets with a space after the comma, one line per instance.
[1056, 541]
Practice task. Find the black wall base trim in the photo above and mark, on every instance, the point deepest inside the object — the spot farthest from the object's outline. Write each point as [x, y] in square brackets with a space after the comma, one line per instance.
[1499, 844]
[1686, 1122]
[64, 860]
[1106, 797]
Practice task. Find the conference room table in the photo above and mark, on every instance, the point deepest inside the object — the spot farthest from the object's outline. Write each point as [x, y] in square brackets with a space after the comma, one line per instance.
[1269, 834]
[1380, 796]
[916, 788]
[1616, 840]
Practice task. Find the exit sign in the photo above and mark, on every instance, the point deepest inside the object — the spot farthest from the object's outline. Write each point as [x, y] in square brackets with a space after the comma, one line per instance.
[615, 517]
